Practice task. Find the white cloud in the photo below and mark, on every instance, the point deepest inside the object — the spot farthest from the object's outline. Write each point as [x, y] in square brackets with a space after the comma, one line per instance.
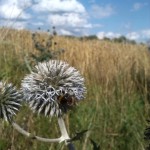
[10, 9]
[14, 24]
[37, 24]
[138, 6]
[65, 14]
[102, 11]
[110, 35]
[142, 35]
[19, 25]
[44, 13]
[139, 35]
[65, 32]
[146, 33]
[101, 35]
[133, 36]
[59, 6]
[24, 3]
[68, 19]
[97, 25]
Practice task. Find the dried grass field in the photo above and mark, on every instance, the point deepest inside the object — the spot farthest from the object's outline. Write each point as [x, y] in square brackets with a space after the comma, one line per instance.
[116, 106]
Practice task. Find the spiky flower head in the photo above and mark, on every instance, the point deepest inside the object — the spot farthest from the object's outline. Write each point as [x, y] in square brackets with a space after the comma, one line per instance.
[53, 87]
[10, 101]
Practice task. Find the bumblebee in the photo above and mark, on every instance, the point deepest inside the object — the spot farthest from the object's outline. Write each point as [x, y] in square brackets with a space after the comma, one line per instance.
[67, 99]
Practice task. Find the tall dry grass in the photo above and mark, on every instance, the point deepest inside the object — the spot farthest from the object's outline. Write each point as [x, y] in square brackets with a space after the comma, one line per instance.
[117, 76]
[106, 63]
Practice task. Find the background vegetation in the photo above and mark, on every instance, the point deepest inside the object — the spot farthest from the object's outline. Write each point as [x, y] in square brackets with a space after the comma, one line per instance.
[116, 107]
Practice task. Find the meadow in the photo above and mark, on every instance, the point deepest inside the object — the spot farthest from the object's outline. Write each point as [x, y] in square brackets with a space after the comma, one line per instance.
[116, 106]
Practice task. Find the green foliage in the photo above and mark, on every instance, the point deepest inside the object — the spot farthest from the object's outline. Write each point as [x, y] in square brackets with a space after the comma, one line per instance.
[12, 68]
[3, 144]
[95, 145]
[90, 37]
[114, 124]
[114, 115]
[106, 39]
[45, 47]
[121, 39]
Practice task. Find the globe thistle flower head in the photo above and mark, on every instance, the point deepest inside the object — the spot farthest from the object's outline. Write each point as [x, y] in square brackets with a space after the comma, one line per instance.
[53, 87]
[10, 101]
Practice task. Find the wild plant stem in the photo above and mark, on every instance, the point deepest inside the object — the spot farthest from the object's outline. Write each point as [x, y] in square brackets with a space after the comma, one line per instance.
[63, 130]
[64, 134]
[30, 135]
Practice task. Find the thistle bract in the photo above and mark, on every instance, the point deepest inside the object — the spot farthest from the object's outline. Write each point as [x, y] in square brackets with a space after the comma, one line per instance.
[10, 101]
[53, 87]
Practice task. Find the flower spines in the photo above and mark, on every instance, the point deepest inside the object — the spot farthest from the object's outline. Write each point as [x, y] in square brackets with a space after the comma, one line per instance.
[52, 86]
[44, 102]
[10, 101]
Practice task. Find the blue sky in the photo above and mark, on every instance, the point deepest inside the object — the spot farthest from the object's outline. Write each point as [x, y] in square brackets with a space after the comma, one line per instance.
[104, 18]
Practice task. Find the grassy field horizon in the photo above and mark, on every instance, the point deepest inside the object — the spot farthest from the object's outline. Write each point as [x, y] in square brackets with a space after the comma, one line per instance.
[116, 106]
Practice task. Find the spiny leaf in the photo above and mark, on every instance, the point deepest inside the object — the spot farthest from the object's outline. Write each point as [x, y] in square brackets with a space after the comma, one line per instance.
[95, 145]
[78, 135]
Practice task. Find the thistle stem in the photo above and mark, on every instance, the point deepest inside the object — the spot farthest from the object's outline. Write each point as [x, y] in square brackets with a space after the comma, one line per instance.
[30, 135]
[64, 133]
[63, 130]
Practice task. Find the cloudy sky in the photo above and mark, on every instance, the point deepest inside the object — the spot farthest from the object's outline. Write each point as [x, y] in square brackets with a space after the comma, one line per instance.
[104, 18]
